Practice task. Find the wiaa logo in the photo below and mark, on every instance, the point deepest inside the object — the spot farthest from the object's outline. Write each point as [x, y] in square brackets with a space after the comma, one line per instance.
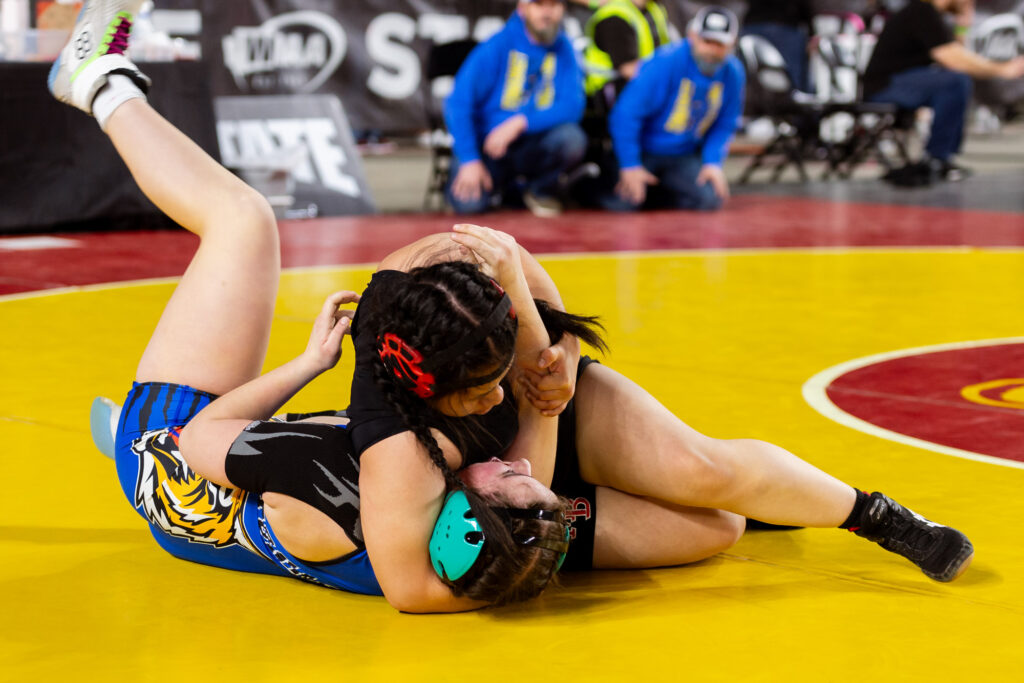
[294, 52]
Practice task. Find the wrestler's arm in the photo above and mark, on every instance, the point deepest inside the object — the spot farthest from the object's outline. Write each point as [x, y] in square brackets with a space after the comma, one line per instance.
[439, 247]
[206, 439]
[423, 252]
[401, 492]
[554, 383]
[537, 438]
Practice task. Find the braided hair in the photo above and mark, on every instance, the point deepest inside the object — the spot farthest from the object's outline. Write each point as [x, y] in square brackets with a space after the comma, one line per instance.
[436, 308]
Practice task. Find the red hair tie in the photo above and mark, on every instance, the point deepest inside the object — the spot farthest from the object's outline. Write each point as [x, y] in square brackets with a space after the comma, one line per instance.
[404, 362]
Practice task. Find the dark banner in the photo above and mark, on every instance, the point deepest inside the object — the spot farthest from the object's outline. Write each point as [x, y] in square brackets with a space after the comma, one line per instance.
[370, 53]
[58, 169]
[296, 149]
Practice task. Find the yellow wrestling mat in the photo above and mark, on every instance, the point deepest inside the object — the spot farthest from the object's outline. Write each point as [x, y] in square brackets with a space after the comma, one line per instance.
[727, 340]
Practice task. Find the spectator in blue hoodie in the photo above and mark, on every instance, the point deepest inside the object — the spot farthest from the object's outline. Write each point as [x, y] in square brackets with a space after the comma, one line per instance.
[672, 124]
[514, 114]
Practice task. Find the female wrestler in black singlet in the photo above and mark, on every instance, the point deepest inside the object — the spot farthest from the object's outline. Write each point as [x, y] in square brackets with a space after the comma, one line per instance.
[645, 489]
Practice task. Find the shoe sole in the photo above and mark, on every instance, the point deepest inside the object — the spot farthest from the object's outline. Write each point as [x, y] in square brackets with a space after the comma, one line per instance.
[545, 213]
[100, 425]
[541, 211]
[51, 79]
[960, 565]
[963, 567]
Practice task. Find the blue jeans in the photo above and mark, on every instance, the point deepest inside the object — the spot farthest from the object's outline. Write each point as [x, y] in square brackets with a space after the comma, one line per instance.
[791, 42]
[946, 92]
[533, 163]
[677, 186]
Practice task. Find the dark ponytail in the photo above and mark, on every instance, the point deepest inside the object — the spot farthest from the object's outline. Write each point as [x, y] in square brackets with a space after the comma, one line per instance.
[559, 323]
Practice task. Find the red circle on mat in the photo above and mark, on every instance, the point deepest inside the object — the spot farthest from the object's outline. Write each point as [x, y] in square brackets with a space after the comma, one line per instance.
[971, 398]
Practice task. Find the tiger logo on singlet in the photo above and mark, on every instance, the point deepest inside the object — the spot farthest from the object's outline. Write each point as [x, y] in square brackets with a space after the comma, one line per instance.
[182, 503]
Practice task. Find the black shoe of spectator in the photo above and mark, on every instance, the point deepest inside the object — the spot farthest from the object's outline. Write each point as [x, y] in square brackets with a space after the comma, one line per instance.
[954, 172]
[917, 174]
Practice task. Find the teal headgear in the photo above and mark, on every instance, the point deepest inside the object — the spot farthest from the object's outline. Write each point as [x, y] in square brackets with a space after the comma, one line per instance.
[458, 539]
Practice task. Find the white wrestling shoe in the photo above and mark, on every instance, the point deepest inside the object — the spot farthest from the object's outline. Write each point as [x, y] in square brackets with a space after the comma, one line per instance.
[103, 418]
[96, 50]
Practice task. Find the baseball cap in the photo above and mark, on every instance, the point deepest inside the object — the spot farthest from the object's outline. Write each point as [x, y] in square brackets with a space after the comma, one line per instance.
[716, 23]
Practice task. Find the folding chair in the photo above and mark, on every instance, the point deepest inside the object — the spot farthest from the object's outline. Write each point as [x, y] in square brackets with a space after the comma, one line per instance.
[796, 115]
[874, 123]
[999, 37]
[443, 62]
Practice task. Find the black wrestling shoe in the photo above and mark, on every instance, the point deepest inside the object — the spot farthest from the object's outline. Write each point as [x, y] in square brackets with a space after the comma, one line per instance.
[942, 552]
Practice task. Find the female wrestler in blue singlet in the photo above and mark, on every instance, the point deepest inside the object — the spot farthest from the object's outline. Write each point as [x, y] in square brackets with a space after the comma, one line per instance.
[196, 451]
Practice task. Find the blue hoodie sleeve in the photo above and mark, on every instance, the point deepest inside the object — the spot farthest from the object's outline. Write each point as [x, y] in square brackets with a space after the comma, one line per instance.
[639, 100]
[716, 141]
[569, 96]
[470, 91]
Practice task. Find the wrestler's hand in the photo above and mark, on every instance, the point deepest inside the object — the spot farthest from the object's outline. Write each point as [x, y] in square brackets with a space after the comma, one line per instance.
[323, 351]
[500, 258]
[504, 134]
[496, 252]
[552, 382]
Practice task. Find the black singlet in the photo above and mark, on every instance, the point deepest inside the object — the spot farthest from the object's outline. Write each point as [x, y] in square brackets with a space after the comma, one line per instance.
[313, 462]
[373, 418]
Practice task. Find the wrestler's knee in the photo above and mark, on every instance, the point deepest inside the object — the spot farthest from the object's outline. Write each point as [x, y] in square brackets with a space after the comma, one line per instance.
[720, 530]
[730, 529]
[246, 219]
[253, 208]
[711, 476]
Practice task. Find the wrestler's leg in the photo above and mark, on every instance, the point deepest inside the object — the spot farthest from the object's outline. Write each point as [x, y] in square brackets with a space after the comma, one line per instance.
[633, 532]
[214, 331]
[650, 452]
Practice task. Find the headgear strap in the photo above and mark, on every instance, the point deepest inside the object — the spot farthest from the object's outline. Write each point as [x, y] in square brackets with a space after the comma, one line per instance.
[545, 515]
[482, 331]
